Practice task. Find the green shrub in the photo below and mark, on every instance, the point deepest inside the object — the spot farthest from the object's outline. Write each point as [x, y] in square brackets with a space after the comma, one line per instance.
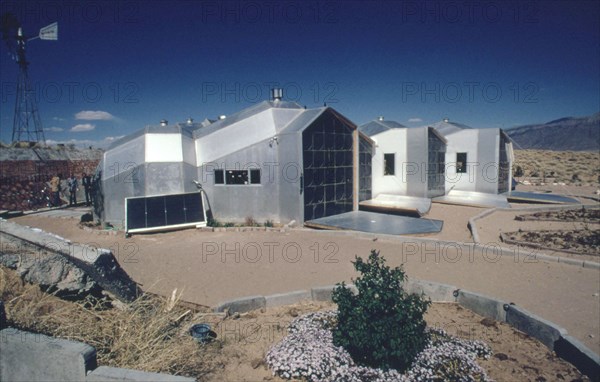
[250, 222]
[518, 171]
[213, 222]
[269, 223]
[382, 326]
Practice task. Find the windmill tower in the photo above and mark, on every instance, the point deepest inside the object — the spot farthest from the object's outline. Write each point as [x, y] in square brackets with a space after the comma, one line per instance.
[27, 125]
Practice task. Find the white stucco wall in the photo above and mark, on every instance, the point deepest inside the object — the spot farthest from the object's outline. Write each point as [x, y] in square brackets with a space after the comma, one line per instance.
[389, 142]
[123, 158]
[164, 148]
[464, 141]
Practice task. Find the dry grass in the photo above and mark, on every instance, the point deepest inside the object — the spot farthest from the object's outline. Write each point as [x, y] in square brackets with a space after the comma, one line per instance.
[148, 334]
[570, 167]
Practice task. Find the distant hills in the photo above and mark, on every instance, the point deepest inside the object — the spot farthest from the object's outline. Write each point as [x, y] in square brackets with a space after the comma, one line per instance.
[564, 134]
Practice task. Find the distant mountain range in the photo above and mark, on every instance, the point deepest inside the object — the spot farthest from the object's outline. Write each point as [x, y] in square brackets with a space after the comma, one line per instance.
[571, 133]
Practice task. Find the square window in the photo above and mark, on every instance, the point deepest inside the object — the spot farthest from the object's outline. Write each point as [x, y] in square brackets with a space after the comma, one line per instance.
[461, 162]
[219, 177]
[254, 176]
[389, 164]
[236, 177]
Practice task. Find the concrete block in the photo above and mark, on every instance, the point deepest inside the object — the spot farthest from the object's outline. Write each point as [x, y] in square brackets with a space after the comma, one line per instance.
[290, 298]
[323, 293]
[482, 305]
[111, 374]
[435, 291]
[568, 260]
[34, 357]
[591, 264]
[573, 351]
[543, 330]
[242, 305]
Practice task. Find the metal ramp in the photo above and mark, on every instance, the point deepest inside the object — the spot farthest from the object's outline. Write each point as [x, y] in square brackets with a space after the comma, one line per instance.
[398, 204]
[472, 198]
[374, 222]
[535, 197]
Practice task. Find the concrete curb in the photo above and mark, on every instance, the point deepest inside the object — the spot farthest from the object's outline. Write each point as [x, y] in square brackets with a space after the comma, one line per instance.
[573, 351]
[106, 374]
[242, 305]
[435, 291]
[275, 300]
[471, 224]
[482, 305]
[551, 335]
[543, 330]
[35, 357]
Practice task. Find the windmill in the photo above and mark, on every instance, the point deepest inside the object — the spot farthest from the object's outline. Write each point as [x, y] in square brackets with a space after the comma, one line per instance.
[27, 125]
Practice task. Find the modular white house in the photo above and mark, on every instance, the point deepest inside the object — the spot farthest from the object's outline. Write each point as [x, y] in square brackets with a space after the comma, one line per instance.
[446, 161]
[407, 167]
[275, 160]
[477, 160]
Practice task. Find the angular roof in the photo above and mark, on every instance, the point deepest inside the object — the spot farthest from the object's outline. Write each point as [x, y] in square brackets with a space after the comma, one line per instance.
[303, 120]
[376, 126]
[446, 127]
[244, 114]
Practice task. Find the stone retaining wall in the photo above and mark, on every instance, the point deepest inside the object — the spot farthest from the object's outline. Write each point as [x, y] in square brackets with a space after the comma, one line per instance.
[98, 264]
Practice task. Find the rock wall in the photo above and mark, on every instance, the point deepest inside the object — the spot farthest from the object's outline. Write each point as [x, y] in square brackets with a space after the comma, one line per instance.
[25, 171]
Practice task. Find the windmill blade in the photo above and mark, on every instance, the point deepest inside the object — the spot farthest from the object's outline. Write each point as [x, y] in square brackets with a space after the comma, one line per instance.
[49, 32]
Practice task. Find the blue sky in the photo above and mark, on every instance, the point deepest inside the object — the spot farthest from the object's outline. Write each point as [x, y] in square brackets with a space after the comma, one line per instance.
[119, 66]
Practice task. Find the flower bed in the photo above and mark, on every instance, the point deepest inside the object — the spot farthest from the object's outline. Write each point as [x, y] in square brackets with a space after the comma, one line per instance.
[308, 352]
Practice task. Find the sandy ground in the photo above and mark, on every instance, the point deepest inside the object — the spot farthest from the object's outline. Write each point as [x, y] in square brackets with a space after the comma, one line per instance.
[455, 220]
[211, 267]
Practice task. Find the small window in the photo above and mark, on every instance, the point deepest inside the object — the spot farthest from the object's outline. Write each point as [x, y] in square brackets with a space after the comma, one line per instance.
[236, 176]
[389, 163]
[254, 176]
[219, 177]
[461, 162]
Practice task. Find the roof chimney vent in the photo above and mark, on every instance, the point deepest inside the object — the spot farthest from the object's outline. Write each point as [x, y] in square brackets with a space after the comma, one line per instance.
[164, 122]
[190, 120]
[380, 118]
[222, 117]
[446, 120]
[277, 94]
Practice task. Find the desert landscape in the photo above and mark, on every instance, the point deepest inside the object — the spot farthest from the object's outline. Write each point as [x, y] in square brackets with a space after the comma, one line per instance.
[160, 263]
[547, 167]
[306, 191]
